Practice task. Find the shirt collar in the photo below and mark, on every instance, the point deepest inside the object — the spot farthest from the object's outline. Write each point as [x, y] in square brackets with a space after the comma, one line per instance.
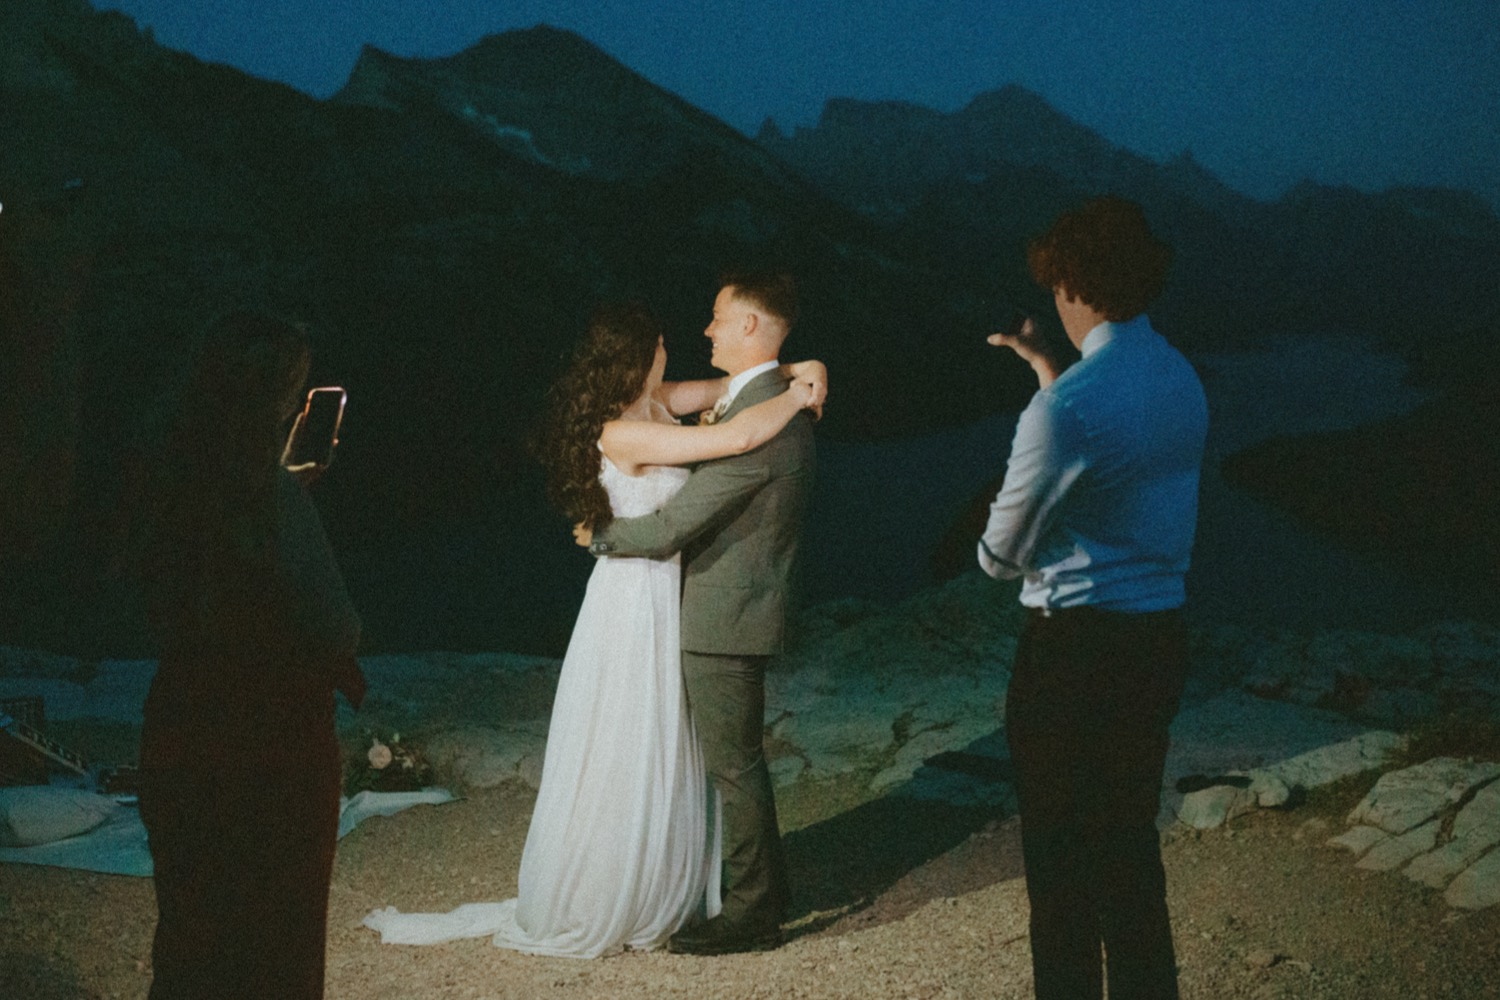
[1108, 332]
[743, 378]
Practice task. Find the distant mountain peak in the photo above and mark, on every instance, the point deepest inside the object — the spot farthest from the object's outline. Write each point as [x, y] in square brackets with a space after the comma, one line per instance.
[537, 58]
[1008, 98]
[1028, 117]
[31, 29]
[538, 37]
[885, 157]
[551, 96]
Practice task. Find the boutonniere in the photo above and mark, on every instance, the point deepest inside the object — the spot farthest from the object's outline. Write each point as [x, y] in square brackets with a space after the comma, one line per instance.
[716, 414]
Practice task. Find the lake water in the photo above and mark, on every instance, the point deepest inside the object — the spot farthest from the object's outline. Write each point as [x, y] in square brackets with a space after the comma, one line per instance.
[1254, 564]
[880, 510]
[888, 504]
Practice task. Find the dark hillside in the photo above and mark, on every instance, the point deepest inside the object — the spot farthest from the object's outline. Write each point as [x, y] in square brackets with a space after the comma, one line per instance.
[444, 268]
[446, 225]
[1319, 259]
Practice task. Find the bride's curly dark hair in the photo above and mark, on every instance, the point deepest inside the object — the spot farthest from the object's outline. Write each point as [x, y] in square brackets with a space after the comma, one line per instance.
[606, 373]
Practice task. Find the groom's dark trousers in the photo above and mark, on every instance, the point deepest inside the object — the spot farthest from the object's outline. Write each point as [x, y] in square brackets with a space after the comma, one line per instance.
[727, 700]
[1090, 700]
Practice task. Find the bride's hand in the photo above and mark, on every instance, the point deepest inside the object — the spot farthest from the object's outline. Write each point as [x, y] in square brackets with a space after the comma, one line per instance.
[814, 392]
[816, 371]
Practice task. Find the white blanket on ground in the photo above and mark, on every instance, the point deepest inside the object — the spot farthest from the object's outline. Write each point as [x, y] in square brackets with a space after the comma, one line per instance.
[354, 811]
[118, 847]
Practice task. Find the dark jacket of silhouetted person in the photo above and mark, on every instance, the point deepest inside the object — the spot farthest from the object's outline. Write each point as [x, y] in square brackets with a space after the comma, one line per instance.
[240, 773]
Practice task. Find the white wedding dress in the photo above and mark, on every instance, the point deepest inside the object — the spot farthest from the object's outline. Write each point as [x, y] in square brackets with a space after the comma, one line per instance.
[619, 853]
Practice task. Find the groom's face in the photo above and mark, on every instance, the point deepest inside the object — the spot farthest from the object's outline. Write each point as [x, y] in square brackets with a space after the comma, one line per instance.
[729, 330]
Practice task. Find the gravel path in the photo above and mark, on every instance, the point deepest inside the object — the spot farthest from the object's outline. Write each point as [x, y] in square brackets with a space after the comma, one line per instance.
[1261, 909]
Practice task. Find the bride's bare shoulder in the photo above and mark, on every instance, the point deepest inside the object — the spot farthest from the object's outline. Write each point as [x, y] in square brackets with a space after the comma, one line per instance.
[660, 414]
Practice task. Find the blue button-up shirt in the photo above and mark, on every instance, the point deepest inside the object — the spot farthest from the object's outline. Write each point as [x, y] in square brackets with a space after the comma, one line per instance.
[1100, 500]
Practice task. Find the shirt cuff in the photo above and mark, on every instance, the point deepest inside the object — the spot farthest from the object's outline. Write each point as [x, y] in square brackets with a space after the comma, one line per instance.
[996, 567]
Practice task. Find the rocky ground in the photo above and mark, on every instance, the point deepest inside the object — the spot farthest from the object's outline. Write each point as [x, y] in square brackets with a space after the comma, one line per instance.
[1261, 908]
[899, 822]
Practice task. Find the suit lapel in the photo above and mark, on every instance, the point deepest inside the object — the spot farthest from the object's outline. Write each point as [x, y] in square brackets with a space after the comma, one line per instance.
[759, 389]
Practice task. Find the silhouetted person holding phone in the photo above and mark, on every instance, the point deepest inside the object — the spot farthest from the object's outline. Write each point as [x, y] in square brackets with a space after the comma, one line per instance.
[1097, 515]
[240, 769]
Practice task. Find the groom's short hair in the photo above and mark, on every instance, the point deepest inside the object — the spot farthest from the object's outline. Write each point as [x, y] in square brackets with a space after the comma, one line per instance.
[774, 292]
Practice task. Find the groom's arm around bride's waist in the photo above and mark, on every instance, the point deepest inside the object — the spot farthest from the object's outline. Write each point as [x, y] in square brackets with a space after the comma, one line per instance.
[712, 496]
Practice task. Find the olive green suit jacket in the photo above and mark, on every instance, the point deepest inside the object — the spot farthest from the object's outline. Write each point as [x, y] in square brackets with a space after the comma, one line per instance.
[737, 522]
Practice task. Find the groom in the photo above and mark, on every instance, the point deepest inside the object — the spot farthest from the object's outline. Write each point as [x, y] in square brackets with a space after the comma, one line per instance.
[736, 522]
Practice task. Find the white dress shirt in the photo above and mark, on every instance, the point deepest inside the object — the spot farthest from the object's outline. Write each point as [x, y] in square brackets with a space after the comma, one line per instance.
[1100, 501]
[744, 378]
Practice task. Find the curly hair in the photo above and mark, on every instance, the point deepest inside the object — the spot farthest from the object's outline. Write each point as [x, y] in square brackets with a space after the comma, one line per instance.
[1104, 254]
[606, 374]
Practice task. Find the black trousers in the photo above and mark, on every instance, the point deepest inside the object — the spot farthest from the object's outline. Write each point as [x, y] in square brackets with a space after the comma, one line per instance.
[240, 799]
[1087, 713]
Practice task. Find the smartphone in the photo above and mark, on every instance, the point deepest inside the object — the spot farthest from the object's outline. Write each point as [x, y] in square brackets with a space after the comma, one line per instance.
[315, 433]
[1014, 321]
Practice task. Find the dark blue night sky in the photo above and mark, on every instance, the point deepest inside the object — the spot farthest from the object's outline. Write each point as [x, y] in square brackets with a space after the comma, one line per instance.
[1371, 93]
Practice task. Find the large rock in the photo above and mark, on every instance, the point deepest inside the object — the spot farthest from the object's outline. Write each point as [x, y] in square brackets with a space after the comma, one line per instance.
[1478, 887]
[1236, 731]
[880, 690]
[1214, 806]
[1359, 839]
[1337, 761]
[958, 788]
[484, 756]
[928, 744]
[423, 693]
[1404, 800]
[1397, 851]
[836, 739]
[1392, 680]
[1476, 830]
[1338, 668]
[1294, 746]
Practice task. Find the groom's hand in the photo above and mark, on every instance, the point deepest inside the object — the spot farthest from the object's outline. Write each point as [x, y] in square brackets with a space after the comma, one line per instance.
[583, 534]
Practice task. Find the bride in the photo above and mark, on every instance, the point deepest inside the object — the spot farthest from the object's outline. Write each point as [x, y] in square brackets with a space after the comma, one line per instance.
[620, 852]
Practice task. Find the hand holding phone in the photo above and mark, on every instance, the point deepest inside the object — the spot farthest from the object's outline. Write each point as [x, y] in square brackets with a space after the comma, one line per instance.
[315, 433]
[1019, 333]
[1025, 337]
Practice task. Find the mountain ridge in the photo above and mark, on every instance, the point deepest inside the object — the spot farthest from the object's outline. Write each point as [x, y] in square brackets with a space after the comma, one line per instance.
[445, 259]
[570, 104]
[898, 146]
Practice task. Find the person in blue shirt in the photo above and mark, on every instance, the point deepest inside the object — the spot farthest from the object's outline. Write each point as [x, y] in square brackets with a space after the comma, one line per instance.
[1097, 515]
